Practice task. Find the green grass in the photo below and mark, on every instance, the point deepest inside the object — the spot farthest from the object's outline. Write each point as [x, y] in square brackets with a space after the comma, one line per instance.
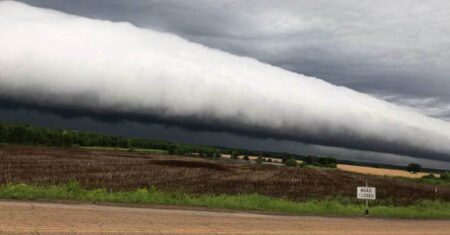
[154, 151]
[435, 181]
[337, 206]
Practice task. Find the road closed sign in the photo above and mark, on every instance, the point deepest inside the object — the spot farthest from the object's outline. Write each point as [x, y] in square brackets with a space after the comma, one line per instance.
[367, 193]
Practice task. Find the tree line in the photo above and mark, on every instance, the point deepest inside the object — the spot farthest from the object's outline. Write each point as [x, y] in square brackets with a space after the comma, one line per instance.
[19, 133]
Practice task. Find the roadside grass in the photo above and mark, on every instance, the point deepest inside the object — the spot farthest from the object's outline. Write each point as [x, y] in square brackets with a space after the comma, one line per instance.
[334, 207]
[136, 150]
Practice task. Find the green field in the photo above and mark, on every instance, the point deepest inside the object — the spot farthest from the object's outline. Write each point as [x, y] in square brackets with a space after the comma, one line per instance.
[252, 202]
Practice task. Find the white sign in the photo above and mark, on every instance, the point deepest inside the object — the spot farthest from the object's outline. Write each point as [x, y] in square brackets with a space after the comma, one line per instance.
[367, 193]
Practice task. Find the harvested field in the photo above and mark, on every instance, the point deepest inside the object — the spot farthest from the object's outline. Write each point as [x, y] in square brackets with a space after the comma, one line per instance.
[380, 171]
[126, 170]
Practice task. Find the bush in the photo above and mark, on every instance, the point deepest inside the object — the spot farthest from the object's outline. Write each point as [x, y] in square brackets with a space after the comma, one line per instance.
[311, 160]
[320, 161]
[432, 179]
[217, 154]
[246, 157]
[260, 159]
[413, 167]
[328, 162]
[234, 155]
[290, 162]
[445, 176]
[429, 176]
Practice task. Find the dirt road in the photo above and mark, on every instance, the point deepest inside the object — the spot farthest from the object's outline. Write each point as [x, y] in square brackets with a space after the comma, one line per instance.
[49, 218]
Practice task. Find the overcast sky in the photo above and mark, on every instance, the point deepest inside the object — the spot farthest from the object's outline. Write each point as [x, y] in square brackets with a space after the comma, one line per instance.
[398, 51]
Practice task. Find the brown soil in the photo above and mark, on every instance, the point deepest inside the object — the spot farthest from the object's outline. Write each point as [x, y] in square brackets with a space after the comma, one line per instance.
[119, 170]
[46, 218]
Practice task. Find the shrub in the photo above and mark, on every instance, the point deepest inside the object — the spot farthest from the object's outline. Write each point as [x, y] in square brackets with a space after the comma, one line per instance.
[320, 161]
[217, 154]
[328, 162]
[311, 160]
[413, 167]
[290, 162]
[246, 157]
[260, 159]
[234, 155]
[445, 176]
[429, 176]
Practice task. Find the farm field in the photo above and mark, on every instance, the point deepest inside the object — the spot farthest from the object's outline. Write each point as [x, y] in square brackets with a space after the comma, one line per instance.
[119, 170]
[137, 150]
[380, 171]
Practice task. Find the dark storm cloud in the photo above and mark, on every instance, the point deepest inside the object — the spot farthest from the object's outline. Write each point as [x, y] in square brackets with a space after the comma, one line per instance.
[194, 126]
[134, 129]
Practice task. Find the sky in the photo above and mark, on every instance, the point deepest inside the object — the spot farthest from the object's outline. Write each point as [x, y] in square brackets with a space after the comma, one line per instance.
[396, 51]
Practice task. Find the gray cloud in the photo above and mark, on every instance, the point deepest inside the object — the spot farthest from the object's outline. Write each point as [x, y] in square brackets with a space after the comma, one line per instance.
[51, 58]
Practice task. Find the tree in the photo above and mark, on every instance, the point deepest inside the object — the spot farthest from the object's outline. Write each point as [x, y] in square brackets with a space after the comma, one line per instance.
[311, 160]
[67, 139]
[320, 161]
[217, 154]
[445, 176]
[234, 155]
[327, 162]
[171, 150]
[260, 159]
[290, 162]
[3, 133]
[414, 167]
[128, 143]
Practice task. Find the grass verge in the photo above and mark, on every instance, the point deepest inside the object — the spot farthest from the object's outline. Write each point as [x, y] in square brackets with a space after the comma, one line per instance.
[335, 207]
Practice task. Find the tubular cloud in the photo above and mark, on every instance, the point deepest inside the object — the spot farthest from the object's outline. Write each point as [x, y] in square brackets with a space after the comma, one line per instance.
[53, 59]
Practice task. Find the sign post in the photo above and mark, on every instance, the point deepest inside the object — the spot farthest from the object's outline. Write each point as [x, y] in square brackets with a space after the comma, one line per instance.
[367, 193]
